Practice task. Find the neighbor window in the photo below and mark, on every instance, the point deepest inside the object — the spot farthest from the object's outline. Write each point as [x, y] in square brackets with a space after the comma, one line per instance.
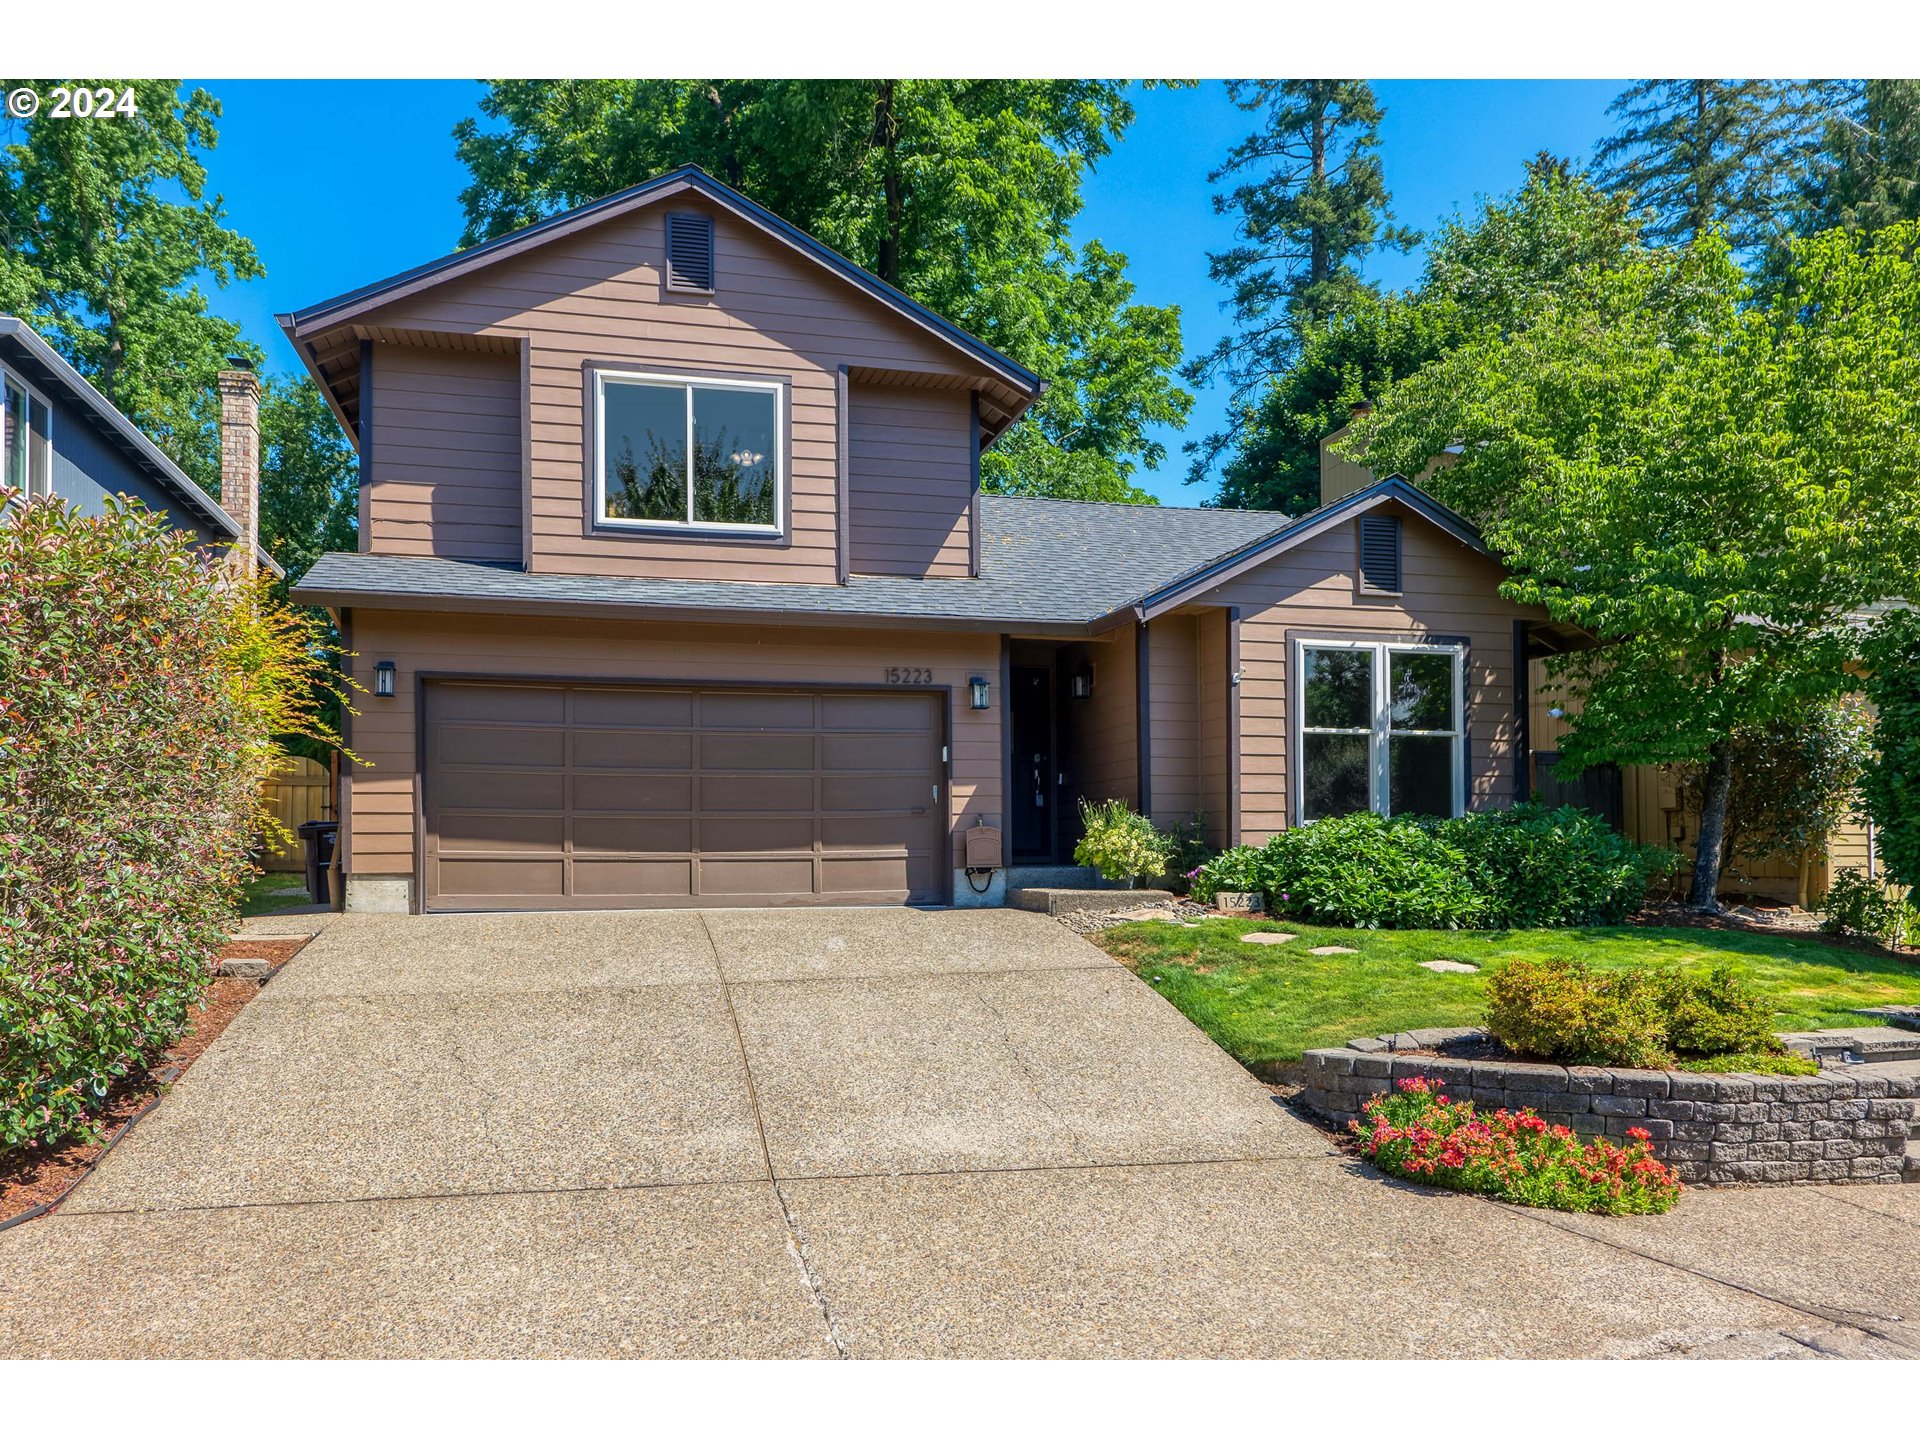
[696, 454]
[25, 443]
[1380, 729]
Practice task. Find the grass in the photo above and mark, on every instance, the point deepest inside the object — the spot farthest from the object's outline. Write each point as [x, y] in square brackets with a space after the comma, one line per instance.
[1267, 1004]
[258, 898]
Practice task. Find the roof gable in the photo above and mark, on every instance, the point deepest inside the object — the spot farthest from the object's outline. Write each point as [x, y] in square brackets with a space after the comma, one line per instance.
[303, 326]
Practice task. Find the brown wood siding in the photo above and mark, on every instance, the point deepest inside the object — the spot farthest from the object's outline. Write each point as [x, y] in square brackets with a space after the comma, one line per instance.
[1447, 590]
[446, 472]
[910, 482]
[1173, 702]
[385, 791]
[1213, 682]
[597, 298]
[1099, 736]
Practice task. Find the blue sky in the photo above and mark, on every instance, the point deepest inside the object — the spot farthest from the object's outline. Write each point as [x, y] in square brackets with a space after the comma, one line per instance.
[339, 183]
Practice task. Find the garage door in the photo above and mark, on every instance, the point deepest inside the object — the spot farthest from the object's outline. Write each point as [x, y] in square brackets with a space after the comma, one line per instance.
[563, 797]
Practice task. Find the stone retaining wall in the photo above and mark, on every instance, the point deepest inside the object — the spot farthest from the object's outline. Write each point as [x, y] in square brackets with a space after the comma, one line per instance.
[1712, 1129]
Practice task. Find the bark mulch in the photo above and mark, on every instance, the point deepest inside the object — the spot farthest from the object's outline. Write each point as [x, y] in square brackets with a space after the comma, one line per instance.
[1757, 919]
[42, 1177]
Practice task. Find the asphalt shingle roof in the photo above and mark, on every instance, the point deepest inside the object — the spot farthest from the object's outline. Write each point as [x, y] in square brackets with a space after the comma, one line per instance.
[1042, 562]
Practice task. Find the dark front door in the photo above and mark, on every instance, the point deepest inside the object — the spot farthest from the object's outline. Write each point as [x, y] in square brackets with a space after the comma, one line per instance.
[1031, 713]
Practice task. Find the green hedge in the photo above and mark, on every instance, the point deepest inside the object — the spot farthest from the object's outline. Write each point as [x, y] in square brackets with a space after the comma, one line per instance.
[139, 690]
[1530, 866]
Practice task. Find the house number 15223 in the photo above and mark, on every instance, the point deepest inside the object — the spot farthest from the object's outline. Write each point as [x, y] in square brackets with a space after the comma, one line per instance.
[909, 675]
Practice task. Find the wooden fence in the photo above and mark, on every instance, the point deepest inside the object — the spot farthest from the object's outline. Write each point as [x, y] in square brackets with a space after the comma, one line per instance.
[301, 790]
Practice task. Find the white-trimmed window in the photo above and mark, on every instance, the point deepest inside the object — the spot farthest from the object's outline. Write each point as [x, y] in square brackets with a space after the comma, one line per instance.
[1379, 726]
[681, 453]
[26, 437]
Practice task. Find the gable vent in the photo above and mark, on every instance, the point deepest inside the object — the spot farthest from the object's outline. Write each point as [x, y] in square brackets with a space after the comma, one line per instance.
[1380, 553]
[689, 252]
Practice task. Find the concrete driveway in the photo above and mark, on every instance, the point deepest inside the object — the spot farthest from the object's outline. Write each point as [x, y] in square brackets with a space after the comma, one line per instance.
[839, 1133]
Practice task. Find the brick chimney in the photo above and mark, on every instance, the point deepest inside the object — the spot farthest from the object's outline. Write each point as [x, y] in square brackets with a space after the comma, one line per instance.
[240, 458]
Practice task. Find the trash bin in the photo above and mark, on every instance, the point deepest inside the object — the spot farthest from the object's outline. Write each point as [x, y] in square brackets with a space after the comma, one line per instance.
[319, 836]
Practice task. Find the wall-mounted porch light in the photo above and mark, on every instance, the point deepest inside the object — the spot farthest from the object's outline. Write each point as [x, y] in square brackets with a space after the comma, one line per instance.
[383, 674]
[1080, 684]
[979, 696]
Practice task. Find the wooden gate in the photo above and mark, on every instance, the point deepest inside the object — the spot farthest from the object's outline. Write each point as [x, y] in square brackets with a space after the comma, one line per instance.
[299, 791]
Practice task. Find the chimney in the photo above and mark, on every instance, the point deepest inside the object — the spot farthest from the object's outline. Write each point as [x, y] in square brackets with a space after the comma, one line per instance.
[240, 458]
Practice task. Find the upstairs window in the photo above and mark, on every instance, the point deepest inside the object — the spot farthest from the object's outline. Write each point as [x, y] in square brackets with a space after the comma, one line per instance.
[689, 454]
[26, 448]
[1381, 728]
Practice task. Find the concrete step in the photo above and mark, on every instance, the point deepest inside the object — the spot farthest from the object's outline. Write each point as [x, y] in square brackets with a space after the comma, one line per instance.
[1867, 1045]
[1064, 900]
[1062, 877]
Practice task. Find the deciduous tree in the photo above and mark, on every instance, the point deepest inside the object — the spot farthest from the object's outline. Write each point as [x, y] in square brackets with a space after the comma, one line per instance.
[1712, 486]
[959, 192]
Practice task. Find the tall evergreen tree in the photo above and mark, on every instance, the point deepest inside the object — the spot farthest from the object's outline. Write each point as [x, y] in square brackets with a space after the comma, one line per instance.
[1493, 271]
[1866, 173]
[108, 228]
[1706, 154]
[959, 192]
[1310, 203]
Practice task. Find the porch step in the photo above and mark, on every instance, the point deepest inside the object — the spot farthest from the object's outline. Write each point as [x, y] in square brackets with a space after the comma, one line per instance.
[1060, 877]
[1062, 900]
[1868, 1045]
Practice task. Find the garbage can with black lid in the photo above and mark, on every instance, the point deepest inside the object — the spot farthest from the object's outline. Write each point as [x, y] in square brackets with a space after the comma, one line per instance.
[319, 836]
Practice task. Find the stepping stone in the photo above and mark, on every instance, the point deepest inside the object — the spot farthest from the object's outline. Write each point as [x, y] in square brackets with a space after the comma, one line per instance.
[246, 967]
[1450, 967]
[1267, 937]
[1333, 950]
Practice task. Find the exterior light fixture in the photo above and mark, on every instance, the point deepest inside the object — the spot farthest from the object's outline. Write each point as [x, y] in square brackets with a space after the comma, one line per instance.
[980, 696]
[1080, 684]
[383, 674]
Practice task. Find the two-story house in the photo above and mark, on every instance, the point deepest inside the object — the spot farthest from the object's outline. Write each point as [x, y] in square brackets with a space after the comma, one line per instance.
[677, 587]
[61, 438]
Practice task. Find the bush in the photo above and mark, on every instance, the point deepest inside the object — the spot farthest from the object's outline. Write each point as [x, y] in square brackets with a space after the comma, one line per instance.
[1190, 851]
[1366, 873]
[1241, 870]
[1562, 1011]
[1534, 866]
[1120, 843]
[1417, 1133]
[1856, 905]
[139, 692]
[1890, 784]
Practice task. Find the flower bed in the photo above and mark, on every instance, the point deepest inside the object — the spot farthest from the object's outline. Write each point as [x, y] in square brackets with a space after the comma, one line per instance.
[1711, 1129]
[1416, 1132]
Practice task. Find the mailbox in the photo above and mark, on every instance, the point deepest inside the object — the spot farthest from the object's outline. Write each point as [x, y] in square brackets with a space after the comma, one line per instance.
[983, 848]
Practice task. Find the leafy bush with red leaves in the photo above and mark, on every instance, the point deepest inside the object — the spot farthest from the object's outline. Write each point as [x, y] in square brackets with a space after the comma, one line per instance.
[141, 688]
[1417, 1133]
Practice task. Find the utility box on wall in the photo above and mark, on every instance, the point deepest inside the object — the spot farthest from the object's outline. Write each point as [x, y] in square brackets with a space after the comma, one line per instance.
[983, 848]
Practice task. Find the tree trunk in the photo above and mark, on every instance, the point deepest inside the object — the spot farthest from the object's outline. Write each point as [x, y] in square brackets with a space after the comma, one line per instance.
[886, 135]
[1716, 787]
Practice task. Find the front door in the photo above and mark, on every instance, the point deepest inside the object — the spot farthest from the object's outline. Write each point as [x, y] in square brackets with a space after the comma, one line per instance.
[1032, 808]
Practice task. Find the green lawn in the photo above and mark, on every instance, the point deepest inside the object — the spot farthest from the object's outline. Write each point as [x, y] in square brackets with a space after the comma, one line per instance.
[1266, 1004]
[259, 899]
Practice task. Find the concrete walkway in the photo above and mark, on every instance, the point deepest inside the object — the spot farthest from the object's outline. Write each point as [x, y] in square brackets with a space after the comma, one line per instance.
[841, 1133]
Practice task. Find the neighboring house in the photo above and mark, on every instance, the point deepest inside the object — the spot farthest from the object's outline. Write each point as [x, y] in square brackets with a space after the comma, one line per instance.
[677, 587]
[1645, 802]
[61, 437]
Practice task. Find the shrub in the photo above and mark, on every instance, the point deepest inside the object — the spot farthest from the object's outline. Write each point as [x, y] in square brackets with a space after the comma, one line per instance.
[1367, 872]
[1890, 784]
[1560, 1010]
[1784, 1064]
[1857, 905]
[1120, 843]
[1535, 866]
[140, 689]
[1417, 1133]
[1190, 851]
[1241, 870]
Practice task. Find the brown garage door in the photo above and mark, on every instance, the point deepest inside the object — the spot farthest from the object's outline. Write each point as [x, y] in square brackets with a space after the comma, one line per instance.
[576, 796]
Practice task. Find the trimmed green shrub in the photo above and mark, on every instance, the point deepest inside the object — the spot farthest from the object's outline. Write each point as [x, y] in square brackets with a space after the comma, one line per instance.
[1560, 1010]
[1366, 873]
[1120, 842]
[140, 688]
[1534, 866]
[1241, 870]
